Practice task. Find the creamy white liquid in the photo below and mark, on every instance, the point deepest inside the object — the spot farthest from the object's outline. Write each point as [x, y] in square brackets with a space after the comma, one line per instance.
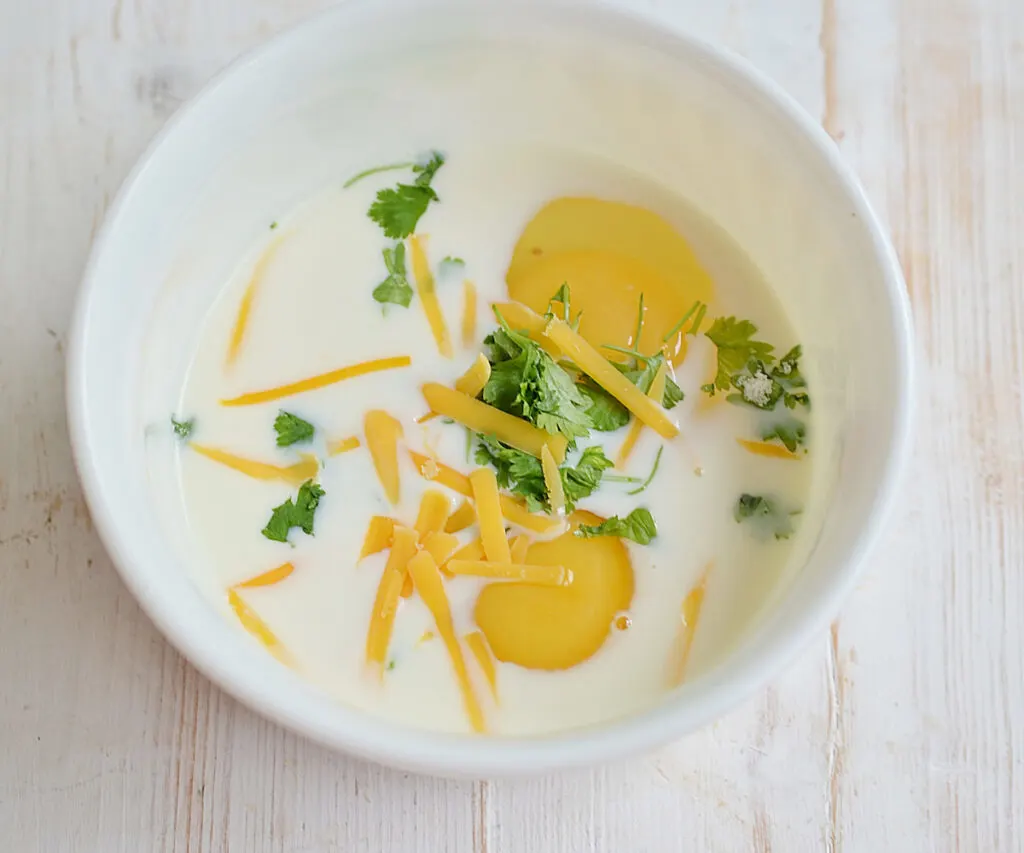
[314, 312]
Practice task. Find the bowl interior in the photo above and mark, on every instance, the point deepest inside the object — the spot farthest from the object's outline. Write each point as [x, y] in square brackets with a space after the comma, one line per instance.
[358, 86]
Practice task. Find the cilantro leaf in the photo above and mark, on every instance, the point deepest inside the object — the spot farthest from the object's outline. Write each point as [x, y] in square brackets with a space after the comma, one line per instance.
[791, 432]
[765, 513]
[736, 346]
[606, 413]
[643, 378]
[183, 429]
[526, 382]
[291, 429]
[638, 526]
[787, 375]
[398, 209]
[523, 475]
[395, 289]
[295, 513]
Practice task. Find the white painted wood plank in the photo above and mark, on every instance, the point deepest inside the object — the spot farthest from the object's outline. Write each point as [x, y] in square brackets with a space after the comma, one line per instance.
[902, 729]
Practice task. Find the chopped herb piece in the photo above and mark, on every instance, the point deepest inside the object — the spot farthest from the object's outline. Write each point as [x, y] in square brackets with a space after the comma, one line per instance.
[397, 210]
[787, 374]
[606, 413]
[375, 170]
[791, 432]
[736, 346]
[523, 475]
[291, 429]
[639, 322]
[564, 297]
[183, 429]
[654, 470]
[638, 527]
[452, 261]
[765, 512]
[395, 289]
[694, 326]
[391, 665]
[295, 513]
[526, 382]
[273, 225]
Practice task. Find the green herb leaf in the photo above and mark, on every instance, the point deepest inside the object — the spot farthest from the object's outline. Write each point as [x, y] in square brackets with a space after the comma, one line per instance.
[523, 475]
[765, 513]
[526, 382]
[791, 432]
[650, 477]
[736, 346]
[450, 264]
[295, 513]
[395, 289]
[291, 429]
[273, 225]
[397, 210]
[698, 308]
[638, 526]
[605, 412]
[643, 378]
[183, 429]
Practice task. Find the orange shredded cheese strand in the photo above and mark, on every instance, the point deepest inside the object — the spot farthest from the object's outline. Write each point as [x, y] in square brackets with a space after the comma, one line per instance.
[514, 512]
[552, 481]
[689, 615]
[320, 381]
[382, 618]
[487, 420]
[259, 629]
[268, 578]
[656, 393]
[463, 517]
[518, 548]
[433, 513]
[472, 382]
[428, 582]
[765, 448]
[476, 642]
[441, 546]
[245, 306]
[296, 474]
[539, 575]
[342, 445]
[521, 317]
[488, 510]
[382, 434]
[468, 313]
[598, 368]
[470, 551]
[429, 416]
[427, 292]
[379, 534]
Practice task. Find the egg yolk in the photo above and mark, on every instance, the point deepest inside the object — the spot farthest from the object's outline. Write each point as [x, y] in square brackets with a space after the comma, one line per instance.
[559, 627]
[609, 253]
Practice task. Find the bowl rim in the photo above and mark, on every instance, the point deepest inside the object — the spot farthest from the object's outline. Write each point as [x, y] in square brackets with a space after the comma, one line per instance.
[364, 735]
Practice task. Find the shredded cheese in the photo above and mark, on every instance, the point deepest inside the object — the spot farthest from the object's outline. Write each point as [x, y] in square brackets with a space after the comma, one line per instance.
[382, 618]
[468, 313]
[382, 434]
[429, 585]
[245, 306]
[598, 368]
[518, 548]
[296, 474]
[522, 318]
[441, 546]
[766, 448]
[427, 292]
[433, 513]
[689, 615]
[268, 578]
[476, 642]
[379, 534]
[488, 511]
[259, 629]
[472, 382]
[342, 445]
[487, 420]
[539, 575]
[320, 381]
[463, 517]
[552, 481]
[656, 393]
[514, 512]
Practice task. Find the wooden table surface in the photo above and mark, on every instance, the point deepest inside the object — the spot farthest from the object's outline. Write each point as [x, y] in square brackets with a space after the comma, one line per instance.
[900, 729]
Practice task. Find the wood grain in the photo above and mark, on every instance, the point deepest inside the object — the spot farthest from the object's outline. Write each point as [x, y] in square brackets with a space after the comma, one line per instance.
[901, 729]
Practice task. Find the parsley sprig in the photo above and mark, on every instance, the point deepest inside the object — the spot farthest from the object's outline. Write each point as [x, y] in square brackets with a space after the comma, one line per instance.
[299, 512]
[291, 429]
[639, 526]
[395, 289]
[398, 209]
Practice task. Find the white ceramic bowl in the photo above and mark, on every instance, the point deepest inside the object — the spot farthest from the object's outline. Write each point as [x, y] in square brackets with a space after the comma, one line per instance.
[307, 109]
